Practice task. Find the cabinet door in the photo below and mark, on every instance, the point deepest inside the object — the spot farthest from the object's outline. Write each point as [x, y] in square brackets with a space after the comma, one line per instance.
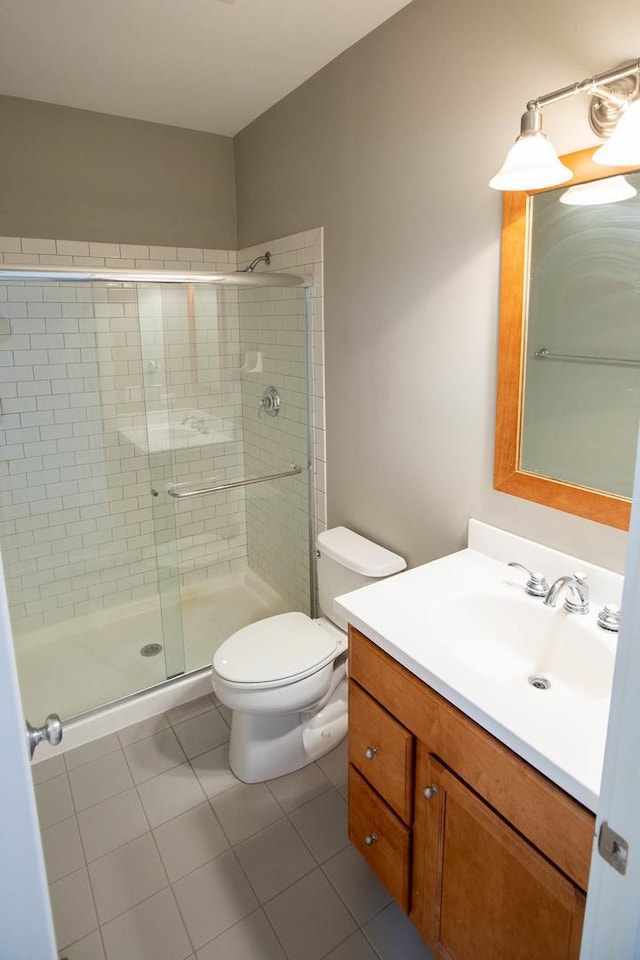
[488, 894]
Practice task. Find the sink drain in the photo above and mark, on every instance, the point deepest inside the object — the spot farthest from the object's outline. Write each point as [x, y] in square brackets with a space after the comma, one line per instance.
[151, 650]
[540, 683]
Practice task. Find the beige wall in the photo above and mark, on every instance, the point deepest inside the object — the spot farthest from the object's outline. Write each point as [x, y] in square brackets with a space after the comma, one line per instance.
[390, 147]
[74, 174]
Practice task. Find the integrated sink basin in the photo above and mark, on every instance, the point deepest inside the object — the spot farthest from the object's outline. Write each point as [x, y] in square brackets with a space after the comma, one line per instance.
[163, 430]
[511, 640]
[537, 677]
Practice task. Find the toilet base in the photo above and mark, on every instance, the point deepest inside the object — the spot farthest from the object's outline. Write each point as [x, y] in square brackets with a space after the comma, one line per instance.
[266, 746]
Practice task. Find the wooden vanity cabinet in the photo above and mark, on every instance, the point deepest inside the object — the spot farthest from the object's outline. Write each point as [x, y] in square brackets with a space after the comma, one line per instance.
[490, 859]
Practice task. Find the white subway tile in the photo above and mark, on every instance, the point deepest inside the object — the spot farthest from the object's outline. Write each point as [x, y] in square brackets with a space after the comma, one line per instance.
[104, 250]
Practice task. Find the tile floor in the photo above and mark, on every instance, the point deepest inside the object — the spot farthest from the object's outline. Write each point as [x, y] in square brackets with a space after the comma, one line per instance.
[155, 851]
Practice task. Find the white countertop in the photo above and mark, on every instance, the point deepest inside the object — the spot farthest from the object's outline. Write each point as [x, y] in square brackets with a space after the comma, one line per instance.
[560, 732]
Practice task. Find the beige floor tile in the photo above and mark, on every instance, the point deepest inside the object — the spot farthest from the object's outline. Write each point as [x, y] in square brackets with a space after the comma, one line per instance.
[250, 939]
[274, 859]
[98, 780]
[142, 729]
[62, 849]
[299, 787]
[53, 799]
[190, 840]
[91, 751]
[394, 937]
[322, 824]
[335, 766]
[109, 824]
[309, 918]
[245, 810]
[74, 915]
[213, 898]
[126, 876]
[151, 931]
[355, 947]
[191, 709]
[202, 733]
[46, 769]
[212, 770]
[357, 884]
[171, 793]
[89, 948]
[153, 755]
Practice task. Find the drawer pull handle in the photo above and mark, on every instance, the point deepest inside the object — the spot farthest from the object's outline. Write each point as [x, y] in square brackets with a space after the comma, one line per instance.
[370, 752]
[430, 791]
[370, 838]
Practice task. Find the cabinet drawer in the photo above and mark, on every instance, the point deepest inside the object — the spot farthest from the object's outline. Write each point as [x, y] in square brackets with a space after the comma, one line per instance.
[388, 849]
[382, 750]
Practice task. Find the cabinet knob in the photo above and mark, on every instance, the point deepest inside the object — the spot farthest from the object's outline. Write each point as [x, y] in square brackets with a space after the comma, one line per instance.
[429, 792]
[370, 838]
[370, 752]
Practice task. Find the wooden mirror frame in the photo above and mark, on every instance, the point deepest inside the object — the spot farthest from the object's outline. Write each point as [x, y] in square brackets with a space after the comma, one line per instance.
[508, 477]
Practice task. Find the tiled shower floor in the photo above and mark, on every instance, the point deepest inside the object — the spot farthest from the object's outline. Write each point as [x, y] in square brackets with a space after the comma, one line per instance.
[155, 851]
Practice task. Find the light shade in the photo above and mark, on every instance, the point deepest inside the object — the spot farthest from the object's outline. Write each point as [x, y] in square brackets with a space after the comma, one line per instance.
[622, 149]
[531, 164]
[609, 190]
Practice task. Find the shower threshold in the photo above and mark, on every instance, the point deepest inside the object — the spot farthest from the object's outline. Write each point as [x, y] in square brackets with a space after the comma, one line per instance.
[79, 665]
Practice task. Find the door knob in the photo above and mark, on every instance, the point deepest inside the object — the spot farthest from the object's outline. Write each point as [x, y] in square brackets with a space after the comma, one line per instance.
[430, 791]
[370, 752]
[51, 732]
[370, 838]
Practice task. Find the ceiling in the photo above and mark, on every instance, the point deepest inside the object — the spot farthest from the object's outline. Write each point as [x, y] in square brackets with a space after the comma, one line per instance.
[209, 65]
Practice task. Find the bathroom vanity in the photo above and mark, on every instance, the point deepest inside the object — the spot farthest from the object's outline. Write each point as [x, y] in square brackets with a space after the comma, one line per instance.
[457, 825]
[481, 833]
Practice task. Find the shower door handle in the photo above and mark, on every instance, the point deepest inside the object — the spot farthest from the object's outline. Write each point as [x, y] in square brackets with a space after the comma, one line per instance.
[51, 732]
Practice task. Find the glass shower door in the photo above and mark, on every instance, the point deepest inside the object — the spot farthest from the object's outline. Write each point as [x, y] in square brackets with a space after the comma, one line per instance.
[83, 543]
[163, 427]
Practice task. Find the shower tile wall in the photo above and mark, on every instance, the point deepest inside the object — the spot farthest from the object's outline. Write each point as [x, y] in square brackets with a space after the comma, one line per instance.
[273, 339]
[77, 524]
[190, 350]
[77, 530]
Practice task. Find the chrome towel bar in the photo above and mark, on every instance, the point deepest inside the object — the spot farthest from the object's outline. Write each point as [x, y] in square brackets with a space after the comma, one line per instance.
[178, 491]
[543, 354]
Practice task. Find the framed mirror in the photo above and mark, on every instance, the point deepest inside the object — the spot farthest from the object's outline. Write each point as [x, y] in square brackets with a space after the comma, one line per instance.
[568, 404]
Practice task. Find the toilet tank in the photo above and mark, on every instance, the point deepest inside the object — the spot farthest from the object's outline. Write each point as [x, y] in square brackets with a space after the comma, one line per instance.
[347, 561]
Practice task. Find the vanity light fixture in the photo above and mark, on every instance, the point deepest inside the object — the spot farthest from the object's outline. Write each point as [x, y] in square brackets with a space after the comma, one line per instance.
[614, 113]
[597, 192]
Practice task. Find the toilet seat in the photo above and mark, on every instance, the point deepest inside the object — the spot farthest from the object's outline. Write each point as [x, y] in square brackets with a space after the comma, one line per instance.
[275, 651]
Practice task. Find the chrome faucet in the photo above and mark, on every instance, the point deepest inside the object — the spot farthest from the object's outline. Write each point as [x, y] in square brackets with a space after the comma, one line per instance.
[577, 599]
[196, 423]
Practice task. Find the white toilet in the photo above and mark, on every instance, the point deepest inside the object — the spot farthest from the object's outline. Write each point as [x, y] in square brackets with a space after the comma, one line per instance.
[285, 677]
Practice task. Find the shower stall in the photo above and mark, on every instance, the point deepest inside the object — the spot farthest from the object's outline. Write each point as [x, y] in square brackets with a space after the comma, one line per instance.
[156, 472]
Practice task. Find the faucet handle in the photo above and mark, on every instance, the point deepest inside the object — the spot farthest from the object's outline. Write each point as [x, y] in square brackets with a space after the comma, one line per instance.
[536, 585]
[577, 600]
[609, 617]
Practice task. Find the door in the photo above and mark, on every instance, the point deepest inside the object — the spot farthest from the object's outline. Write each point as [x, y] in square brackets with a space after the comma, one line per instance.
[482, 878]
[612, 920]
[26, 927]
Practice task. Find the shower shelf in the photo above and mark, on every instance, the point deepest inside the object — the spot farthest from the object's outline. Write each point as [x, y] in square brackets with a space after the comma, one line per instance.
[180, 491]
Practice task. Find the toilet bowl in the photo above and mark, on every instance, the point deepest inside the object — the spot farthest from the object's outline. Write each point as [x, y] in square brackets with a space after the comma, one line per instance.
[284, 677]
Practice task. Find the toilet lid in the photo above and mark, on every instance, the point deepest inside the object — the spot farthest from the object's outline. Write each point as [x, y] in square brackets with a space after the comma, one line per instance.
[274, 649]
